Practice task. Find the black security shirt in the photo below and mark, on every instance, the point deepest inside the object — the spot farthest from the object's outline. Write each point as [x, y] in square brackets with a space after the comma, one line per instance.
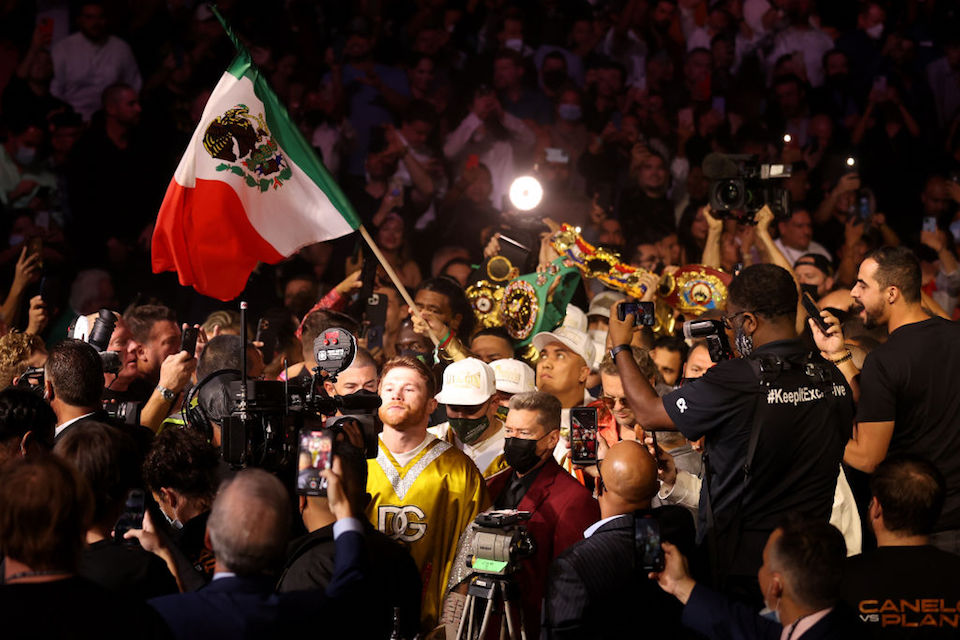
[797, 459]
[914, 380]
[905, 592]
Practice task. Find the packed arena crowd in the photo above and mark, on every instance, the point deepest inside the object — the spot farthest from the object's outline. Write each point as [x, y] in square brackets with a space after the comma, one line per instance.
[657, 340]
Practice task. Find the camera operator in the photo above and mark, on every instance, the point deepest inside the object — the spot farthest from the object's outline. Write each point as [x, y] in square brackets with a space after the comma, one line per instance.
[424, 491]
[394, 578]
[593, 589]
[121, 385]
[248, 530]
[775, 421]
[562, 508]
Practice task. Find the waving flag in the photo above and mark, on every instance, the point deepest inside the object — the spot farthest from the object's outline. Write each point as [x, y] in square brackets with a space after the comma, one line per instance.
[248, 189]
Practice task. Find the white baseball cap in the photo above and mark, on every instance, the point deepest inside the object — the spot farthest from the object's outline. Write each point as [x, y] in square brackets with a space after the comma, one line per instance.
[467, 382]
[513, 376]
[575, 318]
[575, 340]
[601, 303]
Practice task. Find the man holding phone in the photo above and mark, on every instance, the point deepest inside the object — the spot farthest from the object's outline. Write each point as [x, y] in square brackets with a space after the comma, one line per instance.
[593, 589]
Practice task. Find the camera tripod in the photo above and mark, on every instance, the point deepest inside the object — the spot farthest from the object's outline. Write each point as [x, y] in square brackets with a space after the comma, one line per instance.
[491, 588]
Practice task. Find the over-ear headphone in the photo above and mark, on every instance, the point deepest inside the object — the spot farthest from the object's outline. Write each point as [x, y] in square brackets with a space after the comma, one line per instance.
[195, 416]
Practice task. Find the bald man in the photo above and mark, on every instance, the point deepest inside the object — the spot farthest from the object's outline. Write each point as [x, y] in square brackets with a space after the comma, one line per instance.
[594, 590]
[248, 530]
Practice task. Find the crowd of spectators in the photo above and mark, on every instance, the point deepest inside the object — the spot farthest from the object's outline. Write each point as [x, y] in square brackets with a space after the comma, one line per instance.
[815, 475]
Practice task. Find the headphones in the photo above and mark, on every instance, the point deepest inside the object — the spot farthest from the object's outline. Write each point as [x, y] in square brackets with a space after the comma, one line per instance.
[196, 416]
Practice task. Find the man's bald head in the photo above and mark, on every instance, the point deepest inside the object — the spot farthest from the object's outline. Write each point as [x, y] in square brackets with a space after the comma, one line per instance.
[250, 523]
[629, 477]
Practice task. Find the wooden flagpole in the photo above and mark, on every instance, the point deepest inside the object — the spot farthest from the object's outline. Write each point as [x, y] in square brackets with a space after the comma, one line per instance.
[396, 280]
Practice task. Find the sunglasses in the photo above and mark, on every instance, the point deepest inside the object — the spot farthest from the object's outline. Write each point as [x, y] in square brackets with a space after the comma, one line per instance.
[611, 401]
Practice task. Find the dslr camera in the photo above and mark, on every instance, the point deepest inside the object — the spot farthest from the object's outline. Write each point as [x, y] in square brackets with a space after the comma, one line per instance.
[741, 183]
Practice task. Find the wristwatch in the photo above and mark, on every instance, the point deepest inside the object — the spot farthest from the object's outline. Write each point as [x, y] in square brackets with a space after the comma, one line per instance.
[168, 395]
[617, 349]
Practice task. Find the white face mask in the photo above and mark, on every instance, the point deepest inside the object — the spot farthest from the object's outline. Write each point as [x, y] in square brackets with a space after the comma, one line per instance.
[176, 524]
[516, 44]
[598, 335]
[875, 31]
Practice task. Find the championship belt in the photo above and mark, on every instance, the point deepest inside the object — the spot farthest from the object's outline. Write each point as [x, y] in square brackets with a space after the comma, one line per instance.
[537, 302]
[486, 290]
[694, 289]
[598, 262]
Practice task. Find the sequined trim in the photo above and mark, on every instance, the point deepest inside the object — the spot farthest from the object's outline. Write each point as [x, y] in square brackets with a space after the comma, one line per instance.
[402, 485]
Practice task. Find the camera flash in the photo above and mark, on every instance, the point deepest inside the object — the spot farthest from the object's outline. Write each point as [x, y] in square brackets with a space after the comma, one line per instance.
[787, 138]
[851, 161]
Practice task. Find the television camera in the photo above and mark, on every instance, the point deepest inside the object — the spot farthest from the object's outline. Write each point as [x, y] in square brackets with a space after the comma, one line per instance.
[740, 185]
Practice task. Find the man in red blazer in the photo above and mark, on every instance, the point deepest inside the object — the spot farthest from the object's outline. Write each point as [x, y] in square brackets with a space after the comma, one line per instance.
[562, 508]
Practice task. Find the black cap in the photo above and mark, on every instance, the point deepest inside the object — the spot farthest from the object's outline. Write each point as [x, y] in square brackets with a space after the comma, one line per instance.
[815, 260]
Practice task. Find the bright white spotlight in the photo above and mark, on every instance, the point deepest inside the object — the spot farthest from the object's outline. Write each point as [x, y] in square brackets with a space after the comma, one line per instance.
[526, 193]
[787, 138]
[851, 161]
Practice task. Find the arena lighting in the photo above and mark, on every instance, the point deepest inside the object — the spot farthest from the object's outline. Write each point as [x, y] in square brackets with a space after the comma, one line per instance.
[851, 161]
[786, 138]
[526, 192]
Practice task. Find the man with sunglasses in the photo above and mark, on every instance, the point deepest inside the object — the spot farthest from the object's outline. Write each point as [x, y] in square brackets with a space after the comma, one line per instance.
[775, 421]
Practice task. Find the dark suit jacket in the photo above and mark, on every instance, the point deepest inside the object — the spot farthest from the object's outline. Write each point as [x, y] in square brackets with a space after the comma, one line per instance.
[715, 616]
[594, 591]
[562, 509]
[233, 608]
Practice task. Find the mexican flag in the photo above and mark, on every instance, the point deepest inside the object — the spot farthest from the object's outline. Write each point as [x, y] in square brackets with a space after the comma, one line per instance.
[248, 189]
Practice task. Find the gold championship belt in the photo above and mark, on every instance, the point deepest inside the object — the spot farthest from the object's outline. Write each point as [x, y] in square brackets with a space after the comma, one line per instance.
[691, 290]
[598, 262]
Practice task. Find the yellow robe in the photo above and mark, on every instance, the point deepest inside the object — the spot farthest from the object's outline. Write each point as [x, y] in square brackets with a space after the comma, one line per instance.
[487, 455]
[426, 505]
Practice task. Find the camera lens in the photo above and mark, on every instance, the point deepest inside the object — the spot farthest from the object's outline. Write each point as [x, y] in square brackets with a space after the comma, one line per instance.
[729, 193]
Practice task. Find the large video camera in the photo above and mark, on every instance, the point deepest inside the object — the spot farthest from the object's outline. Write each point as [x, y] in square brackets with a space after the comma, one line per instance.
[500, 542]
[266, 416]
[740, 185]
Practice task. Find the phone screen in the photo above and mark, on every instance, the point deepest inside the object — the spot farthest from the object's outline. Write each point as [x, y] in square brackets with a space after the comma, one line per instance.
[132, 516]
[646, 538]
[930, 224]
[315, 454]
[583, 435]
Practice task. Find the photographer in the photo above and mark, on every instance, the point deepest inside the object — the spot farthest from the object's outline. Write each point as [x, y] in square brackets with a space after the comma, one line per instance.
[775, 421]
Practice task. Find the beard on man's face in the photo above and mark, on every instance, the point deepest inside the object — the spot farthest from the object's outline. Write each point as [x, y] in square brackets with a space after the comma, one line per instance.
[401, 418]
[872, 318]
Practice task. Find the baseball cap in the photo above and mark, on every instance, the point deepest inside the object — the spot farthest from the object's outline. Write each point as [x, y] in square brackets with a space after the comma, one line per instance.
[575, 318]
[467, 382]
[601, 303]
[574, 339]
[513, 376]
[817, 261]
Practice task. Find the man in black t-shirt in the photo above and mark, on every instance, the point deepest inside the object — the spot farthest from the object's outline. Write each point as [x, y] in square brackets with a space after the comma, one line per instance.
[906, 588]
[801, 407]
[910, 385]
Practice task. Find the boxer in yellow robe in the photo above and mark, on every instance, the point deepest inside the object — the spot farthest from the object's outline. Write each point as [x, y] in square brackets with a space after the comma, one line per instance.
[424, 491]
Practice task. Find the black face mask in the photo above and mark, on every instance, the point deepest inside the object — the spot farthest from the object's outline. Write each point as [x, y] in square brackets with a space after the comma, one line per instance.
[521, 454]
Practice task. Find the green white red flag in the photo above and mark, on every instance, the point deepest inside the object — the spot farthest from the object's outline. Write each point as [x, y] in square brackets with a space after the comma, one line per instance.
[248, 189]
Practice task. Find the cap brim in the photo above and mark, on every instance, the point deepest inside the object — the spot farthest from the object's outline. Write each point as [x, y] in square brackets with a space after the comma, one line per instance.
[461, 397]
